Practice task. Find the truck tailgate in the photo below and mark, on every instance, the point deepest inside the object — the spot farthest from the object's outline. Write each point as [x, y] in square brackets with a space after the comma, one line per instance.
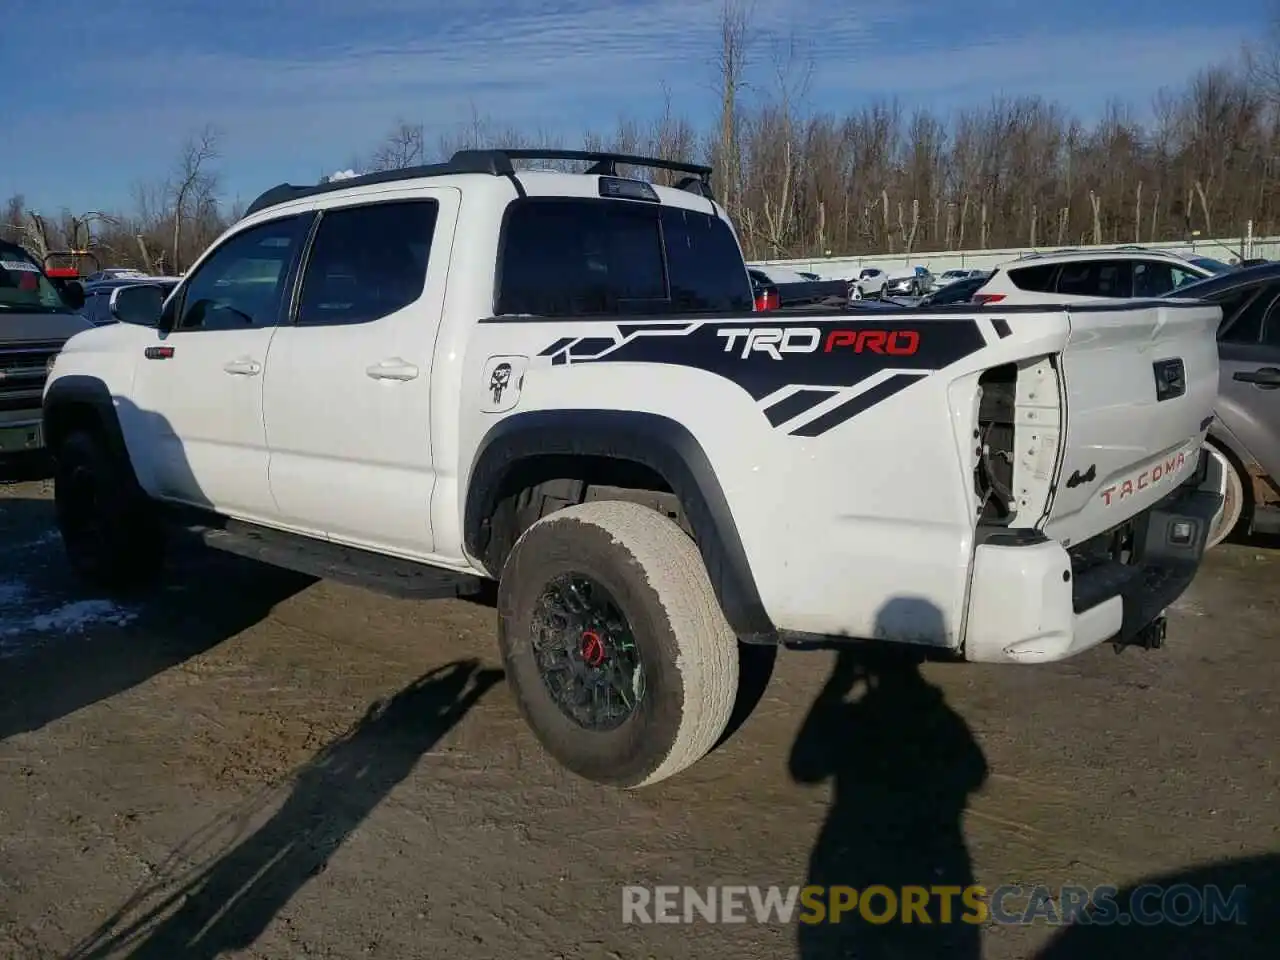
[1140, 383]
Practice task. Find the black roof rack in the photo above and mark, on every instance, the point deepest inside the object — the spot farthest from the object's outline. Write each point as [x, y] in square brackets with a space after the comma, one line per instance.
[497, 163]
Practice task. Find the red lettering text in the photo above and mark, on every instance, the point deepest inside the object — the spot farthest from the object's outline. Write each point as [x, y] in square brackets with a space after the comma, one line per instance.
[873, 340]
[899, 343]
[903, 343]
[840, 338]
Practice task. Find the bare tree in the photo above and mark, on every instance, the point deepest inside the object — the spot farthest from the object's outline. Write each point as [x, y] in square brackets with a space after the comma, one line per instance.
[194, 185]
[1262, 58]
[878, 178]
[402, 147]
[731, 67]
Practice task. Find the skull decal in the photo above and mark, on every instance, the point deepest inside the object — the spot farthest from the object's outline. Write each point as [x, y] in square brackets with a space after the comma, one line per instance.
[500, 380]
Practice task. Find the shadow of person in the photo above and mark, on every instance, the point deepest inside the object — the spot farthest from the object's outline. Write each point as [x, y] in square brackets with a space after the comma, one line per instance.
[227, 903]
[1223, 911]
[903, 765]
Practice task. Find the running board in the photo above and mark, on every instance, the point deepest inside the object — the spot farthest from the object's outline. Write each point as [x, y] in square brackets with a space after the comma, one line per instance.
[389, 576]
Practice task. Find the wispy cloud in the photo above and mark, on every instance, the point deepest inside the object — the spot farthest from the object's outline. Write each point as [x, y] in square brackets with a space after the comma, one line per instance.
[298, 86]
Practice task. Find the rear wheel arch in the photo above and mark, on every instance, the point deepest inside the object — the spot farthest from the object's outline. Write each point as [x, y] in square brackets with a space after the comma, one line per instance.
[532, 464]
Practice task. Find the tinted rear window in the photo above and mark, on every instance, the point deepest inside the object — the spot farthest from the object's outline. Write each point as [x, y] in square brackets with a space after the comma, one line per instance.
[704, 265]
[577, 257]
[1035, 279]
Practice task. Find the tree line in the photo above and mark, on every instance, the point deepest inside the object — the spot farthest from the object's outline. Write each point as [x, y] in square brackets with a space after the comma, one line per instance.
[1203, 162]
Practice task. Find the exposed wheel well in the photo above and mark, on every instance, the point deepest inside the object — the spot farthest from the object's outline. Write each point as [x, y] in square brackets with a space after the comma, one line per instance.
[531, 464]
[540, 485]
[64, 419]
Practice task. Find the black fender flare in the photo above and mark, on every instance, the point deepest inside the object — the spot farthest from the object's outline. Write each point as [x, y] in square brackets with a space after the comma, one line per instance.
[79, 400]
[650, 440]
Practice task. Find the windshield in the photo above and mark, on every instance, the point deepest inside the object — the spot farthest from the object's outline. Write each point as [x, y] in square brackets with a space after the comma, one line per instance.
[1208, 263]
[24, 287]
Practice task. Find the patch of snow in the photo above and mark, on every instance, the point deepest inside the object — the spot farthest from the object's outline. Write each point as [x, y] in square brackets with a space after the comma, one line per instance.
[74, 617]
[67, 618]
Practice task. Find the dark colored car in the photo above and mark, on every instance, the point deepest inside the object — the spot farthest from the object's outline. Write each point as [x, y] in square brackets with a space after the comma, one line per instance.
[802, 293]
[1245, 436]
[957, 291]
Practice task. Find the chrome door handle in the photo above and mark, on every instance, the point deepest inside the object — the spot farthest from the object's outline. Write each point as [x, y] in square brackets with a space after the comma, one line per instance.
[243, 367]
[392, 369]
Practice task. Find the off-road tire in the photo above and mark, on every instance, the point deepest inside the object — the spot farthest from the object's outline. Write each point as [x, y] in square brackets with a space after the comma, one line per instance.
[109, 528]
[687, 650]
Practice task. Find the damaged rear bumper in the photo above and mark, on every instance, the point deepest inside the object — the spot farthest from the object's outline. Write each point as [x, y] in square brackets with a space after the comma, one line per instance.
[1032, 600]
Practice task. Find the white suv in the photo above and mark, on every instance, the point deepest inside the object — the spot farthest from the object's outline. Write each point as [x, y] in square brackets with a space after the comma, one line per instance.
[1074, 275]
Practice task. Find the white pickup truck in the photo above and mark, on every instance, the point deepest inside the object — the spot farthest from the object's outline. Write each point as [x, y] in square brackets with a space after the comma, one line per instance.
[424, 379]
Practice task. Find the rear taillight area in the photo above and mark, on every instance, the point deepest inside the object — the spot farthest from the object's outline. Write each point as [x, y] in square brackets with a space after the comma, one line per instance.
[982, 299]
[1017, 442]
[993, 473]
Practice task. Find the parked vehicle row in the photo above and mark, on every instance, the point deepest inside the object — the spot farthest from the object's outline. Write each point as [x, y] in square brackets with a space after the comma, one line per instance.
[796, 289]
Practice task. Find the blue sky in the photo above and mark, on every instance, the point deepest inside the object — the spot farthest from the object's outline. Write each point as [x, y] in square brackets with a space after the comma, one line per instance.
[299, 87]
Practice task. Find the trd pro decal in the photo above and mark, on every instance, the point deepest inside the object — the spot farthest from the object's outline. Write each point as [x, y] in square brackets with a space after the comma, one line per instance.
[810, 362]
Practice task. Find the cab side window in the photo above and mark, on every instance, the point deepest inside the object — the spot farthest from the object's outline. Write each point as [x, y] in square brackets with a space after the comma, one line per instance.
[244, 283]
[367, 262]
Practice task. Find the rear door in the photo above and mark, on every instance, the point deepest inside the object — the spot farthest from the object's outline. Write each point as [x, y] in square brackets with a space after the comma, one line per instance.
[347, 398]
[1249, 385]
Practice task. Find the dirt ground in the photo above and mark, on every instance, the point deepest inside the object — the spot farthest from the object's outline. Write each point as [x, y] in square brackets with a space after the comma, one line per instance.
[253, 764]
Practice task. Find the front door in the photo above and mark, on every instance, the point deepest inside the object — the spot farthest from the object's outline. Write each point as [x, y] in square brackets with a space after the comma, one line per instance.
[199, 385]
[1249, 375]
[348, 396]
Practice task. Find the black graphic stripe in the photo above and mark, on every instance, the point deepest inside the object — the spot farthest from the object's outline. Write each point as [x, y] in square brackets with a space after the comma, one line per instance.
[856, 405]
[631, 329]
[796, 404]
[591, 347]
[1002, 327]
[558, 346]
